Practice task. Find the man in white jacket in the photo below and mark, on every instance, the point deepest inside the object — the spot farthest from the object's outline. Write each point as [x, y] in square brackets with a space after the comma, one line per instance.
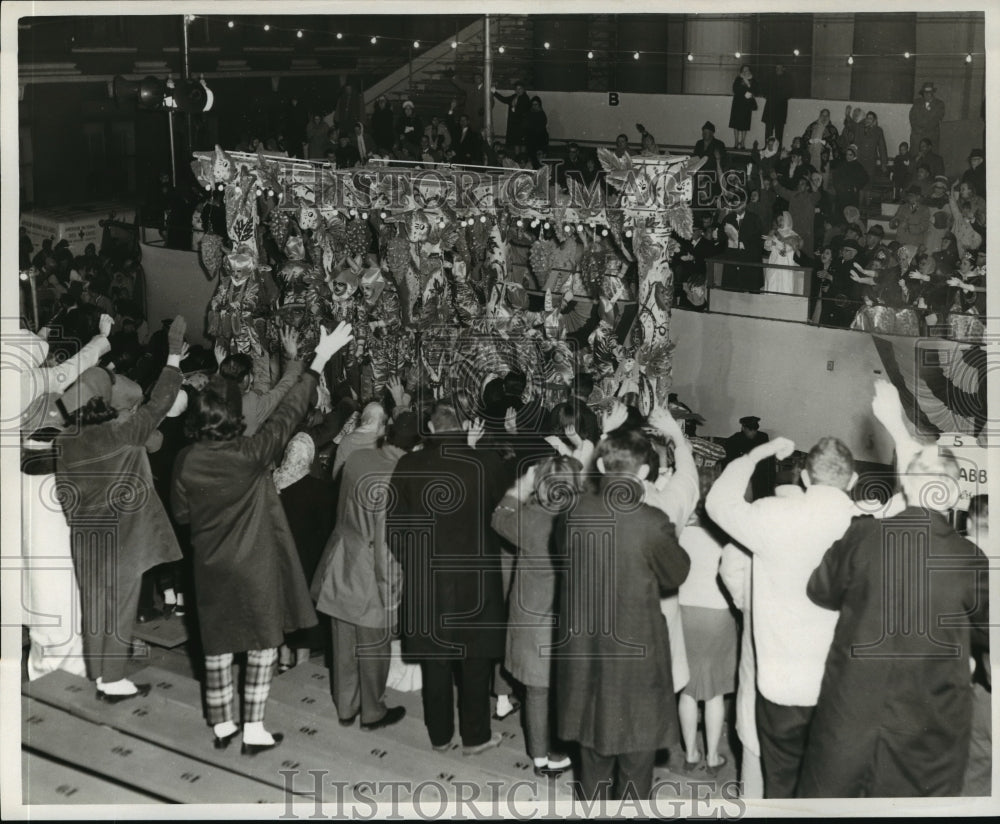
[788, 537]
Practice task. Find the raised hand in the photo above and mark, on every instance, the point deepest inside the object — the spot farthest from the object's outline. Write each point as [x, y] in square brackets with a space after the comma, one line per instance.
[289, 342]
[105, 324]
[886, 402]
[330, 343]
[175, 337]
[510, 421]
[474, 431]
[220, 351]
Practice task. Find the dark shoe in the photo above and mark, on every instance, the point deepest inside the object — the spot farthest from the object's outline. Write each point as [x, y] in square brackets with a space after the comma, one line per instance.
[515, 706]
[392, 716]
[486, 745]
[224, 742]
[347, 722]
[253, 749]
[718, 767]
[142, 690]
[549, 771]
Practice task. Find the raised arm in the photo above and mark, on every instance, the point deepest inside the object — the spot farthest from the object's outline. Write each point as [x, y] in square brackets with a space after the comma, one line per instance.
[679, 495]
[726, 501]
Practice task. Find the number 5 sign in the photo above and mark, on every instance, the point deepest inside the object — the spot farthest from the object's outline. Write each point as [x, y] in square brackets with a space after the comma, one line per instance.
[972, 465]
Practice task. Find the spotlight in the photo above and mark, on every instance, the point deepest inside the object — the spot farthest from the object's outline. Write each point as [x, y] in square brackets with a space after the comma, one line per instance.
[590, 55]
[690, 57]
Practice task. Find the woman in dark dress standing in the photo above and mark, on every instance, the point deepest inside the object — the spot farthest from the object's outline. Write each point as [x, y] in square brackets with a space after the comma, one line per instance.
[744, 103]
[536, 131]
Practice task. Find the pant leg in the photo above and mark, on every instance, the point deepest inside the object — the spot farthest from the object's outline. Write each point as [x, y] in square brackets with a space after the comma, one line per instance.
[437, 693]
[636, 768]
[373, 655]
[536, 721]
[51, 596]
[597, 774]
[783, 733]
[978, 772]
[219, 688]
[474, 701]
[257, 686]
[345, 680]
[117, 644]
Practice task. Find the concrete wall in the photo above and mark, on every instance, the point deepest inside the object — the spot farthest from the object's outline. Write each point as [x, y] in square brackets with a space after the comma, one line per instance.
[676, 119]
[726, 367]
[177, 285]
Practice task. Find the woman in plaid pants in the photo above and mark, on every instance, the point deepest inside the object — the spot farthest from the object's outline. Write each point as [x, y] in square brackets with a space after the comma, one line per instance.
[249, 585]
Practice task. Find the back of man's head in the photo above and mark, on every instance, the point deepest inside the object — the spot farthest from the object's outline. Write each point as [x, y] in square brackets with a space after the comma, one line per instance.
[931, 480]
[236, 368]
[373, 417]
[625, 451]
[444, 418]
[830, 463]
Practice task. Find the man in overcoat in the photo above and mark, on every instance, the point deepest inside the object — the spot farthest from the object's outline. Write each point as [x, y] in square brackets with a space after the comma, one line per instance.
[614, 687]
[894, 715]
[452, 611]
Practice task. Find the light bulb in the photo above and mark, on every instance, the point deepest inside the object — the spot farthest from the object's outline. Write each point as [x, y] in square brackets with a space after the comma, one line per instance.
[795, 52]
[690, 57]
[737, 55]
[968, 58]
[208, 187]
[270, 192]
[482, 218]
[364, 215]
[520, 223]
[340, 36]
[231, 24]
[374, 40]
[416, 44]
[850, 60]
[454, 44]
[579, 228]
[628, 233]
[590, 55]
[501, 50]
[545, 225]
[382, 215]
[267, 27]
[24, 275]
[635, 56]
[298, 33]
[906, 55]
[546, 44]
[604, 232]
[567, 228]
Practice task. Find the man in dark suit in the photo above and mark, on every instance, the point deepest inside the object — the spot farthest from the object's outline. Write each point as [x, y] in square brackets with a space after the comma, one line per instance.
[742, 443]
[894, 715]
[452, 612]
[744, 239]
[468, 144]
[707, 184]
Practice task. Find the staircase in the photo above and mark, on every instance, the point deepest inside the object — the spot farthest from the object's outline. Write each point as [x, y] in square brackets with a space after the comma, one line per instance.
[425, 80]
